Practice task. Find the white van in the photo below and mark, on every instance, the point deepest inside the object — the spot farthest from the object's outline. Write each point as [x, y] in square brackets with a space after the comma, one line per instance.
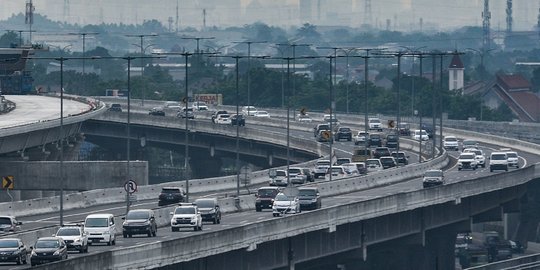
[100, 229]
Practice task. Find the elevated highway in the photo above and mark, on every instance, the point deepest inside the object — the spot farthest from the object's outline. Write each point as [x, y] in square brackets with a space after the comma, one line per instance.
[351, 224]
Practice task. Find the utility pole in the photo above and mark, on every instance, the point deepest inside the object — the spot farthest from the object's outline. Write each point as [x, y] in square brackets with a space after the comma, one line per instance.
[249, 67]
[29, 17]
[486, 16]
[142, 36]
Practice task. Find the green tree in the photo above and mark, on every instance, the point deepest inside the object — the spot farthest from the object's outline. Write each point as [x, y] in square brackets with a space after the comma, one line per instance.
[9, 40]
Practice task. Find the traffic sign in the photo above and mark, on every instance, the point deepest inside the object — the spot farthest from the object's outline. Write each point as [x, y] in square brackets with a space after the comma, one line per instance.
[326, 134]
[8, 182]
[303, 111]
[130, 186]
[391, 124]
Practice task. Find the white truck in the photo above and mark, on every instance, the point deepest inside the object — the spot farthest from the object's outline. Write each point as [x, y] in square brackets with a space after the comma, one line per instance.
[186, 215]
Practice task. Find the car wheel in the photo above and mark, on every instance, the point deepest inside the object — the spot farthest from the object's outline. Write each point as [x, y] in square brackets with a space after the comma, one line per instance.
[19, 260]
[81, 250]
[215, 221]
[25, 261]
[258, 209]
[275, 214]
[219, 221]
[33, 264]
[459, 169]
[130, 235]
[89, 243]
[490, 170]
[155, 232]
[114, 241]
[125, 235]
[196, 228]
[86, 249]
[174, 229]
[109, 243]
[149, 233]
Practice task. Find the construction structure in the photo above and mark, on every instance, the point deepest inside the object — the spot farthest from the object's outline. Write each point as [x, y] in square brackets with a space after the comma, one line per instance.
[486, 16]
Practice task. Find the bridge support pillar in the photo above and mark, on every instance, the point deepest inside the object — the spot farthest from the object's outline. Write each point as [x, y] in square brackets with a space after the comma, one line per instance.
[527, 228]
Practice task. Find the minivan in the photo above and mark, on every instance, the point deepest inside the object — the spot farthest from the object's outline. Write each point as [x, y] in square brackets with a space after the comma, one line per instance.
[100, 229]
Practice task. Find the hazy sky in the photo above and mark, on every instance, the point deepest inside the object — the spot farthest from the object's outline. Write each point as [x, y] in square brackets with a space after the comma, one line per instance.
[403, 14]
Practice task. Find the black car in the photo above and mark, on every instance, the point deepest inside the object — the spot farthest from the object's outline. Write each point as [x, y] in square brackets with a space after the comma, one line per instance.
[171, 195]
[13, 250]
[115, 107]
[158, 111]
[388, 162]
[265, 197]
[139, 221]
[392, 140]
[375, 139]
[343, 133]
[429, 129]
[210, 210]
[48, 249]
[404, 129]
[401, 158]
[381, 152]
[309, 198]
[238, 118]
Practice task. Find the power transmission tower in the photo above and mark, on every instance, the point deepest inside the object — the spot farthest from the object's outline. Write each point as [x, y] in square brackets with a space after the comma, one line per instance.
[368, 17]
[66, 10]
[29, 17]
[486, 16]
[509, 18]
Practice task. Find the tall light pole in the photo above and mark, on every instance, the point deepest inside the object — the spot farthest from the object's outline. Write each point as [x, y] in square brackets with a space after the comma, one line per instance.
[20, 35]
[482, 76]
[62, 59]
[249, 67]
[293, 46]
[141, 37]
[282, 56]
[413, 52]
[84, 34]
[198, 39]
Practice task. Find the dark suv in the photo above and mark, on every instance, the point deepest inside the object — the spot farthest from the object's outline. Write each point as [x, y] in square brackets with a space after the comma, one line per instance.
[381, 152]
[171, 195]
[392, 140]
[115, 107]
[343, 133]
[401, 158]
[265, 198]
[375, 139]
[210, 210]
[309, 198]
[238, 119]
[139, 221]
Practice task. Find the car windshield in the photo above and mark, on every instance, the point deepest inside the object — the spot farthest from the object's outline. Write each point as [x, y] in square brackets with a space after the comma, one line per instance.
[469, 142]
[169, 191]
[96, 222]
[138, 215]
[344, 129]
[511, 155]
[391, 137]
[294, 171]
[9, 243]
[202, 203]
[400, 154]
[337, 169]
[307, 192]
[282, 197]
[224, 116]
[450, 139]
[372, 162]
[466, 156]
[5, 220]
[184, 210]
[47, 244]
[323, 163]
[386, 160]
[433, 174]
[267, 192]
[498, 157]
[281, 173]
[374, 121]
[374, 136]
[68, 232]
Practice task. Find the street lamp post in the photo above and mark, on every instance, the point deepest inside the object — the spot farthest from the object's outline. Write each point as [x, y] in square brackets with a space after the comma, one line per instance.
[482, 76]
[141, 37]
[249, 67]
[62, 59]
[293, 46]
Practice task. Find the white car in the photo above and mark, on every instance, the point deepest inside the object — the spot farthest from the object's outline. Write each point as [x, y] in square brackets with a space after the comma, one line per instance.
[467, 160]
[480, 157]
[262, 114]
[321, 168]
[375, 124]
[279, 178]
[172, 105]
[498, 161]
[333, 120]
[200, 106]
[249, 110]
[75, 238]
[186, 215]
[304, 118]
[451, 143]
[360, 138]
[350, 169]
[417, 134]
[100, 228]
[373, 165]
[433, 178]
[285, 204]
[223, 119]
[513, 159]
[337, 171]
[297, 175]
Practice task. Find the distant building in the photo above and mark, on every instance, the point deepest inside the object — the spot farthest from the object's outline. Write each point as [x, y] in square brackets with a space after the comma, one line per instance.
[455, 74]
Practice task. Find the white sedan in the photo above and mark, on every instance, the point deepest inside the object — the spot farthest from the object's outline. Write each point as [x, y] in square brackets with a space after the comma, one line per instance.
[262, 114]
[285, 204]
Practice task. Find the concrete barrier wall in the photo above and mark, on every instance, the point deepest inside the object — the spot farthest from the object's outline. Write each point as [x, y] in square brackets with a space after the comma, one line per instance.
[526, 262]
[45, 175]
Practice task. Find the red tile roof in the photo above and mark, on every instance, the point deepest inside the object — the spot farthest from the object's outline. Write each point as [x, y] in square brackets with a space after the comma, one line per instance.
[529, 102]
[513, 82]
[456, 62]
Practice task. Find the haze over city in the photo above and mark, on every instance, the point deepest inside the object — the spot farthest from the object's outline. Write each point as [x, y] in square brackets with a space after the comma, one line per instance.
[400, 15]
